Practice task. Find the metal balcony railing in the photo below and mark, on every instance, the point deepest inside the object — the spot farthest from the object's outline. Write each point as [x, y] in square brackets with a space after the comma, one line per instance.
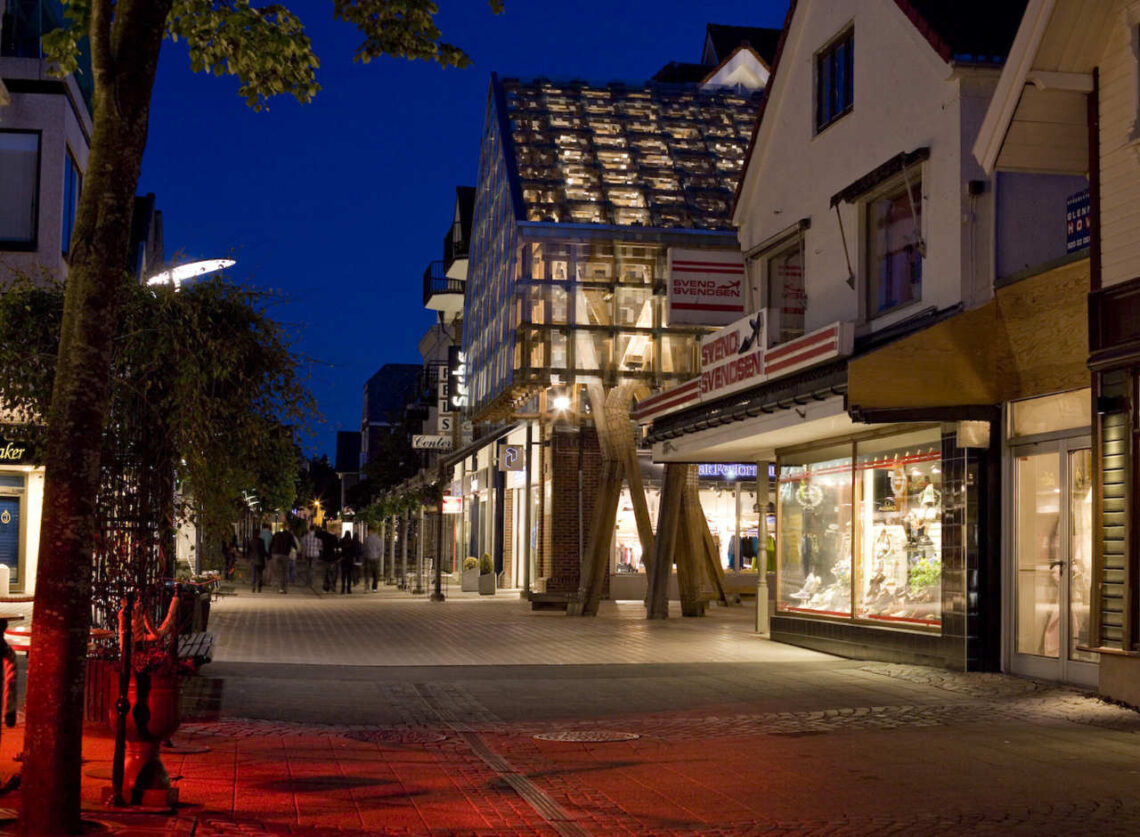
[436, 282]
[455, 245]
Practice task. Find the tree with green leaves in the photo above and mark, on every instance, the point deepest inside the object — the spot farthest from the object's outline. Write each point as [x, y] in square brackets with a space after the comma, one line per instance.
[267, 50]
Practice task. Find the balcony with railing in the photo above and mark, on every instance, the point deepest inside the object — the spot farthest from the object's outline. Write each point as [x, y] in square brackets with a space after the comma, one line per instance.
[442, 293]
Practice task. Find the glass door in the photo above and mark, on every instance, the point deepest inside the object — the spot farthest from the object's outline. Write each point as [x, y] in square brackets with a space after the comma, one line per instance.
[1052, 561]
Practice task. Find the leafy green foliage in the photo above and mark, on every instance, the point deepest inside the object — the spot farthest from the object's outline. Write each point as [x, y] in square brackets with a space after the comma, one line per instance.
[266, 47]
[926, 573]
[203, 382]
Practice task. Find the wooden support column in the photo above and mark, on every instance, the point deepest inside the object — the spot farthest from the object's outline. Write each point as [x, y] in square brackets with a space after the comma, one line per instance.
[664, 544]
[708, 552]
[640, 506]
[596, 559]
[690, 548]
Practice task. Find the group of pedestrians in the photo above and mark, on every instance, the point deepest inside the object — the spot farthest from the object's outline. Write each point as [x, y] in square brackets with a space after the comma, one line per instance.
[322, 557]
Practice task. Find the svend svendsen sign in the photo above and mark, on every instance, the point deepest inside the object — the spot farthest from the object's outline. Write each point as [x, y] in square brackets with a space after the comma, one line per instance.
[706, 287]
[736, 357]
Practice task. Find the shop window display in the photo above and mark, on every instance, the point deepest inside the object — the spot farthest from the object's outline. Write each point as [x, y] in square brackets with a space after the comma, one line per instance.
[899, 523]
[814, 533]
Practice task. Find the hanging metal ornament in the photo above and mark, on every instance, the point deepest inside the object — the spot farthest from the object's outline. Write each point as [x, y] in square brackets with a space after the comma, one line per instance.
[809, 495]
[898, 478]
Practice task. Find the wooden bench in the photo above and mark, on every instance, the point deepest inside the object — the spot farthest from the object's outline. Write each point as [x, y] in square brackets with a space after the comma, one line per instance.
[198, 647]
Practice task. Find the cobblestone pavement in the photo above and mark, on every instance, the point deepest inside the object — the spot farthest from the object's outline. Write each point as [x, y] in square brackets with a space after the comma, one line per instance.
[758, 739]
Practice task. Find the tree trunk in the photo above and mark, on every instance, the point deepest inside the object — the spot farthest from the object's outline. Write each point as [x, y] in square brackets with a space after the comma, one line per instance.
[125, 57]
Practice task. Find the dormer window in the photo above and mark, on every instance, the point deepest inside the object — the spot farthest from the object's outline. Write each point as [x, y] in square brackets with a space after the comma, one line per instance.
[835, 80]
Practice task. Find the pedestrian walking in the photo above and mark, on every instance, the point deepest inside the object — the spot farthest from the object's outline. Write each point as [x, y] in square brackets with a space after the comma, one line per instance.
[373, 549]
[330, 551]
[311, 553]
[349, 550]
[357, 559]
[230, 555]
[279, 548]
[294, 553]
[257, 558]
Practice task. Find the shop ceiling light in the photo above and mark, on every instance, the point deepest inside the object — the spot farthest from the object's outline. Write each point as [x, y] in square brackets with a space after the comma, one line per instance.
[561, 402]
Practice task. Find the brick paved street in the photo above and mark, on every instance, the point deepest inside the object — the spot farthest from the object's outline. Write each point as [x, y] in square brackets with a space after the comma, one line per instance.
[388, 714]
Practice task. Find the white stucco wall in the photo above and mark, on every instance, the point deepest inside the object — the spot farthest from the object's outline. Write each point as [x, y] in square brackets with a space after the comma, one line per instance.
[905, 97]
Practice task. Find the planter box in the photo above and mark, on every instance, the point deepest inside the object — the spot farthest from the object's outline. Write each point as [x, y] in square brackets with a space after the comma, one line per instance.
[487, 584]
[469, 581]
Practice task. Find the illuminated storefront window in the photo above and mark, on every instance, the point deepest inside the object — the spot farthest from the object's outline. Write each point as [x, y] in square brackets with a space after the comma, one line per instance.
[860, 530]
[814, 532]
[898, 484]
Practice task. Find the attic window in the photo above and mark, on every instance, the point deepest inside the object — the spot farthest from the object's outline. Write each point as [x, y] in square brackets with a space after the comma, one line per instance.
[835, 80]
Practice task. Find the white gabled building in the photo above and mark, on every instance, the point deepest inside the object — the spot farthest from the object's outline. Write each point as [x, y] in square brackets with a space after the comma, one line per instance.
[877, 248]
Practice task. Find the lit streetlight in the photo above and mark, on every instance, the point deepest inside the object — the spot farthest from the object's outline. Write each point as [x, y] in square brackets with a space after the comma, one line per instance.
[192, 270]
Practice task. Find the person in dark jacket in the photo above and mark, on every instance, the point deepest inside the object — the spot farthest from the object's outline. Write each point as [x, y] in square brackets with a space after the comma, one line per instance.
[257, 559]
[330, 551]
[349, 550]
[279, 548]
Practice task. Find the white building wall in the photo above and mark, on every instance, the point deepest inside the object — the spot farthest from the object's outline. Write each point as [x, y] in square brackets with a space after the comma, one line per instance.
[1120, 150]
[905, 97]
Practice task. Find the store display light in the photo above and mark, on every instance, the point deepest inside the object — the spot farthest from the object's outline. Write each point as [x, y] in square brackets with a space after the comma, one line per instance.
[561, 402]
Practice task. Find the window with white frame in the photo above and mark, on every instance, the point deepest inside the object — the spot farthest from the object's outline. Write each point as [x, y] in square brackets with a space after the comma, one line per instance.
[19, 172]
[894, 247]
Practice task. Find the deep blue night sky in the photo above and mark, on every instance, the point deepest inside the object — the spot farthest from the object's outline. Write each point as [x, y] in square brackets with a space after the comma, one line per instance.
[340, 204]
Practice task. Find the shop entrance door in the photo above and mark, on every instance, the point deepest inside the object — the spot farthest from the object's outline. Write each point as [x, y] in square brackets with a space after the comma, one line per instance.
[1052, 561]
[10, 537]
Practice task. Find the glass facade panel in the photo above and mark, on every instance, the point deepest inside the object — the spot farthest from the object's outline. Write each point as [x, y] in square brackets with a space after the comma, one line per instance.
[634, 307]
[814, 538]
[898, 485]
[679, 356]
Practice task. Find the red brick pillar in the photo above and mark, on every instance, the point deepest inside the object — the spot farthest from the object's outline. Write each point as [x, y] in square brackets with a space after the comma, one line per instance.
[576, 464]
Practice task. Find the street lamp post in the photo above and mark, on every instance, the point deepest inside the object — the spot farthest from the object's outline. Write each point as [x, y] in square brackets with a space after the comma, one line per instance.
[192, 270]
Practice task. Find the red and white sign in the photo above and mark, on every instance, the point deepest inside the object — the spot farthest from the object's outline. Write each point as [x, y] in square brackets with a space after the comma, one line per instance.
[706, 287]
[452, 505]
[734, 358]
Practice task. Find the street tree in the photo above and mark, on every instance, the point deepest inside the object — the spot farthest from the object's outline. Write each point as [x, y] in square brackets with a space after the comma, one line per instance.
[267, 50]
[204, 389]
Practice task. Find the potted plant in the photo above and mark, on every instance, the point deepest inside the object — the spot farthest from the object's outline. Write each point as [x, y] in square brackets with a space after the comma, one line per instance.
[486, 576]
[469, 580]
[154, 713]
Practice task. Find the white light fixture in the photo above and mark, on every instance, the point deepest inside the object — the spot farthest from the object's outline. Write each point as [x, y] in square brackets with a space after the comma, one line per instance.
[177, 275]
[561, 402]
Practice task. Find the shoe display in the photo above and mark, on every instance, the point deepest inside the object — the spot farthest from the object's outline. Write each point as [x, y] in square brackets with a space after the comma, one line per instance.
[808, 590]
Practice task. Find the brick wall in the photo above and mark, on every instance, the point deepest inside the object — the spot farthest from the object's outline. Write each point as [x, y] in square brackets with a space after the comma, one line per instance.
[508, 535]
[568, 447]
